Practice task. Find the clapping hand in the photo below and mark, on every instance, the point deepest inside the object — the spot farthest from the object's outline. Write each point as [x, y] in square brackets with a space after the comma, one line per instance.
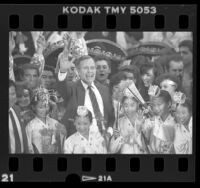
[139, 121]
[116, 133]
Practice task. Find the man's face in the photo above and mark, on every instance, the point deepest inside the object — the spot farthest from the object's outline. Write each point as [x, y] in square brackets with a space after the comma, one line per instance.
[103, 70]
[12, 96]
[186, 54]
[31, 76]
[87, 71]
[176, 68]
[46, 79]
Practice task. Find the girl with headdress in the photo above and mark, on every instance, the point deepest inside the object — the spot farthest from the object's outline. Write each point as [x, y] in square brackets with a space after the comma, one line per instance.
[84, 141]
[159, 130]
[183, 136]
[127, 138]
[45, 135]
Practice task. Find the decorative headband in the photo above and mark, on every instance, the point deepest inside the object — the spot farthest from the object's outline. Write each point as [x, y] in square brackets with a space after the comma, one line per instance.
[170, 82]
[41, 94]
[179, 97]
[128, 93]
[82, 111]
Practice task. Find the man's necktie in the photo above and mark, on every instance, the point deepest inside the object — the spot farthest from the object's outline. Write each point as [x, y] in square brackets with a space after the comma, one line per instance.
[95, 105]
[18, 148]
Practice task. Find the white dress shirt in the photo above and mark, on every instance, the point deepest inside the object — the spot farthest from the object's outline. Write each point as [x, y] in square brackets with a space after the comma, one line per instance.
[61, 76]
[89, 106]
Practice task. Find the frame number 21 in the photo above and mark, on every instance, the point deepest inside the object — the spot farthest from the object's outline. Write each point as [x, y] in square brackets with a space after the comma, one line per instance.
[7, 177]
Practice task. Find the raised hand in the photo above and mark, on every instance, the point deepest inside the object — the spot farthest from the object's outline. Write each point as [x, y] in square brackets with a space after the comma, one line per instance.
[67, 42]
[41, 44]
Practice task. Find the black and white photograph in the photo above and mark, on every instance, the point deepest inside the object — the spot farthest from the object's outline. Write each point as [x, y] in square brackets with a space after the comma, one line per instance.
[82, 92]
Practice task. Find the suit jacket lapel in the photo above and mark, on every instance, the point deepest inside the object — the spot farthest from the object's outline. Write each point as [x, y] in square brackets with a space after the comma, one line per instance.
[103, 96]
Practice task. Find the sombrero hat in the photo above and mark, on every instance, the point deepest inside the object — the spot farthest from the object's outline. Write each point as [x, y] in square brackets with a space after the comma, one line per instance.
[148, 49]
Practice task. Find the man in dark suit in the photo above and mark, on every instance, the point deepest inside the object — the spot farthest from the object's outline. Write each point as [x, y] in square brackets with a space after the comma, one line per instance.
[86, 92]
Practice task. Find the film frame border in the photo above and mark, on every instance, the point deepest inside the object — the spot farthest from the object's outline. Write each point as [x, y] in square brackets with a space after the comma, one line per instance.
[27, 160]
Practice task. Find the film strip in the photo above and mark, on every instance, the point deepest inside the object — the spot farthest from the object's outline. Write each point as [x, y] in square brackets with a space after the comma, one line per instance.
[95, 168]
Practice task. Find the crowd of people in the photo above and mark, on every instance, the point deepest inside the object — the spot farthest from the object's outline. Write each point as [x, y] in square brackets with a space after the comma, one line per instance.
[84, 108]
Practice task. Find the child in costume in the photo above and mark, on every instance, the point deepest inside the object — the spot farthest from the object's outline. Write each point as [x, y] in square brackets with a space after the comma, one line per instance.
[45, 135]
[127, 138]
[159, 130]
[84, 141]
[183, 136]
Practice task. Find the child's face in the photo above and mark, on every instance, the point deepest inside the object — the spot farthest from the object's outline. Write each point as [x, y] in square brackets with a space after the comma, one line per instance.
[160, 107]
[41, 109]
[24, 98]
[82, 124]
[182, 114]
[130, 106]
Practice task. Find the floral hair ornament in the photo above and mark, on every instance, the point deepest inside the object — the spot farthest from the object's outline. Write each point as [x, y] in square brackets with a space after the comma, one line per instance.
[170, 82]
[154, 91]
[82, 111]
[179, 97]
[41, 94]
[128, 93]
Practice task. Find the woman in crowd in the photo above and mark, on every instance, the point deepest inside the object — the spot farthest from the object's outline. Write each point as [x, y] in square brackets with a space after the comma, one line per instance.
[23, 102]
[149, 71]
